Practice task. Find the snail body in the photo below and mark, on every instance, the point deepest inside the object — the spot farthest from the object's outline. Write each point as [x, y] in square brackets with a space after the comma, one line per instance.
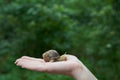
[53, 56]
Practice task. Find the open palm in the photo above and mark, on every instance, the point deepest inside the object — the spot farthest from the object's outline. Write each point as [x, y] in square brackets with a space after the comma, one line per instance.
[62, 67]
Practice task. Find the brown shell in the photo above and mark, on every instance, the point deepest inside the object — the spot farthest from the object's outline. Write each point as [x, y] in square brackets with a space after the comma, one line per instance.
[51, 55]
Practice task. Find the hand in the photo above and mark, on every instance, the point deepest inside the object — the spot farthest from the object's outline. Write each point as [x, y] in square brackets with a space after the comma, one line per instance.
[72, 67]
[63, 67]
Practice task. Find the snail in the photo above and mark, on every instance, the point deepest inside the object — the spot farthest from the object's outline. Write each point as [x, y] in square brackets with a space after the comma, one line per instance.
[53, 56]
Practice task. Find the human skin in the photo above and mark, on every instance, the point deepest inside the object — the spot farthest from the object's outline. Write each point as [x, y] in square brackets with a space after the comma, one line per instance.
[72, 67]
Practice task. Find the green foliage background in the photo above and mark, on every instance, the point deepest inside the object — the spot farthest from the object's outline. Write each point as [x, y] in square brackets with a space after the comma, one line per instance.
[89, 29]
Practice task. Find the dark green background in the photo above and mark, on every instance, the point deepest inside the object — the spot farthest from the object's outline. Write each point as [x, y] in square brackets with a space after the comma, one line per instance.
[88, 29]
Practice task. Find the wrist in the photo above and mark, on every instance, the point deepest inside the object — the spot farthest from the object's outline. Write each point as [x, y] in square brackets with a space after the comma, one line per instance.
[82, 73]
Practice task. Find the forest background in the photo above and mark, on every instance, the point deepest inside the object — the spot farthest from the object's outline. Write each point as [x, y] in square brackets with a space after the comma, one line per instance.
[88, 29]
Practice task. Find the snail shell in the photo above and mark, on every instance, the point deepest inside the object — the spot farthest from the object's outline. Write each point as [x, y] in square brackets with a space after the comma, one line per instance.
[53, 56]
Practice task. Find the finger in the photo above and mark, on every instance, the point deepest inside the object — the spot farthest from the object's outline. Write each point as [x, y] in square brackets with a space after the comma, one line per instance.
[21, 59]
[29, 58]
[24, 61]
[17, 61]
[32, 58]
[31, 65]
